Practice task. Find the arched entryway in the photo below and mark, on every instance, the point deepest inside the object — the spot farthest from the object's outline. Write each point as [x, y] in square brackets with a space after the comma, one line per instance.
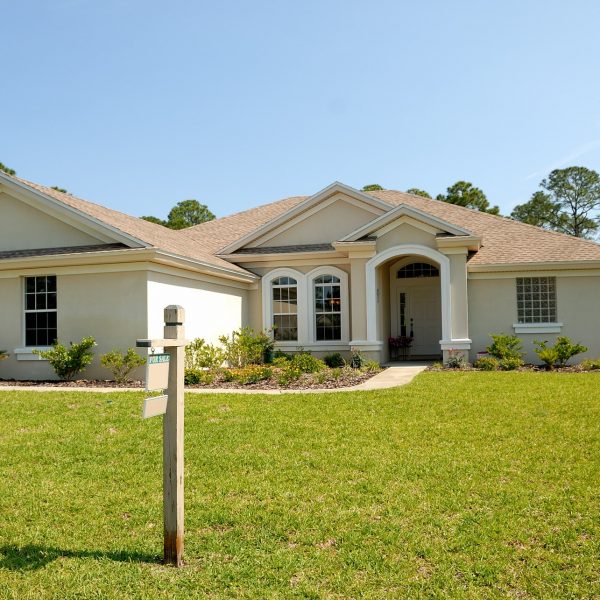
[379, 276]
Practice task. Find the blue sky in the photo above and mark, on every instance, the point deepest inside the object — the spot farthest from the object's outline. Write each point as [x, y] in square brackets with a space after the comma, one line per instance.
[140, 104]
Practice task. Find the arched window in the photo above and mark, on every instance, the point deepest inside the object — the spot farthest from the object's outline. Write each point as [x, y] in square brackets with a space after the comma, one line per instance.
[418, 269]
[284, 294]
[328, 308]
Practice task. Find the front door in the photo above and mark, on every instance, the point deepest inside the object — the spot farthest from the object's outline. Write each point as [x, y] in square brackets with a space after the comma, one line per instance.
[420, 315]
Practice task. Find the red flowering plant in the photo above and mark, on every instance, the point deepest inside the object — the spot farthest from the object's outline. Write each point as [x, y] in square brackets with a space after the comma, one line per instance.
[400, 341]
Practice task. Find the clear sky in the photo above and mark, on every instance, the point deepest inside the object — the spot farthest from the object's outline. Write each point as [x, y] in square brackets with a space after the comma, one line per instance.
[139, 104]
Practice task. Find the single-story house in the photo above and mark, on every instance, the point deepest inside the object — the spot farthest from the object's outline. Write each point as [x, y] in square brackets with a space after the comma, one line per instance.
[337, 270]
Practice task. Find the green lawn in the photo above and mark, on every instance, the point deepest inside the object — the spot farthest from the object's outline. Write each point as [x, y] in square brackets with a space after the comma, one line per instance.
[461, 485]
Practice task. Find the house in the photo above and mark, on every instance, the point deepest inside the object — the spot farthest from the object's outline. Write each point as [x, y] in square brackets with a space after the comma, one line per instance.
[339, 269]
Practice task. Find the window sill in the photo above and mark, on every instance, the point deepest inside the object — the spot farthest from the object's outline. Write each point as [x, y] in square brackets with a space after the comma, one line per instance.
[27, 353]
[537, 327]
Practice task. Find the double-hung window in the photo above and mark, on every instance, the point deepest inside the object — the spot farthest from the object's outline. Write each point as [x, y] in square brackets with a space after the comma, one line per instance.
[40, 310]
[536, 299]
[284, 292]
[328, 308]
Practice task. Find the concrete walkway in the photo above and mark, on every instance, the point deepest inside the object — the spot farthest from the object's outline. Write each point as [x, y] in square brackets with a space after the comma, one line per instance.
[392, 376]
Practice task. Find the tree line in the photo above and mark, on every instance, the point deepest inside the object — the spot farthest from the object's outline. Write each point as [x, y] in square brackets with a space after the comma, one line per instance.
[568, 201]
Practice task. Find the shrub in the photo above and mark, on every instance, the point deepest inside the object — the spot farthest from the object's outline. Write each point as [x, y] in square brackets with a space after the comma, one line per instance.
[288, 375]
[566, 349]
[456, 360]
[121, 364]
[335, 374]
[511, 363]
[487, 363]
[200, 355]
[356, 359]
[307, 363]
[281, 362]
[548, 355]
[281, 355]
[67, 362]
[251, 374]
[334, 360]
[560, 353]
[591, 365]
[246, 347]
[198, 376]
[505, 346]
[371, 366]
[3, 354]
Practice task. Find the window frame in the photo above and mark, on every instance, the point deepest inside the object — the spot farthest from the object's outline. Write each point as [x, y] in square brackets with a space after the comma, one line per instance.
[344, 301]
[284, 286]
[533, 298]
[26, 311]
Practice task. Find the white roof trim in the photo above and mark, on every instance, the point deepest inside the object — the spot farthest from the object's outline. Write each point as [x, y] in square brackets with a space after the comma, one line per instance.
[400, 211]
[334, 188]
[76, 214]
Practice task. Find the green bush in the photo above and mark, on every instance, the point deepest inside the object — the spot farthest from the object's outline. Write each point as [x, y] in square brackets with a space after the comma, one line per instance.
[280, 354]
[566, 349]
[591, 365]
[356, 359]
[288, 375]
[456, 360]
[246, 347]
[560, 353]
[511, 363]
[487, 363]
[250, 374]
[200, 355]
[371, 366]
[505, 346]
[280, 362]
[334, 360]
[198, 376]
[336, 373]
[3, 354]
[121, 364]
[307, 363]
[67, 362]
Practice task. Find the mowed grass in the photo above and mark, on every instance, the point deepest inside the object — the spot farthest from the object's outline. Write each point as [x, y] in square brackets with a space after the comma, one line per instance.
[459, 485]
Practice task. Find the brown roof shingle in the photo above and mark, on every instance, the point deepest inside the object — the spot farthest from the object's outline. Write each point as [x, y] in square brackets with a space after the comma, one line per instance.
[504, 241]
[151, 234]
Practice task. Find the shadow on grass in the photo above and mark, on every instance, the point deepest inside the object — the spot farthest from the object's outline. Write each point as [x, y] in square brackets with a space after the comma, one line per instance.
[31, 557]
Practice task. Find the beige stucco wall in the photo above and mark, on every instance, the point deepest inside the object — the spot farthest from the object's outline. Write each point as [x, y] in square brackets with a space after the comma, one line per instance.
[330, 223]
[212, 308]
[493, 309]
[111, 307]
[24, 227]
[405, 234]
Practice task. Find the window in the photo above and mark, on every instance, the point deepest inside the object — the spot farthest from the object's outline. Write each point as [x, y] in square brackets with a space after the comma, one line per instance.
[40, 310]
[285, 308]
[418, 269]
[328, 308]
[536, 299]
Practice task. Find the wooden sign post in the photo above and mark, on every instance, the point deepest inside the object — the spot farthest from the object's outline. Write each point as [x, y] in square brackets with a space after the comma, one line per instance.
[174, 346]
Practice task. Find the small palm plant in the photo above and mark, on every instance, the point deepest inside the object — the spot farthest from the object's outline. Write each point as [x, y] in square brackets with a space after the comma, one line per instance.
[3, 354]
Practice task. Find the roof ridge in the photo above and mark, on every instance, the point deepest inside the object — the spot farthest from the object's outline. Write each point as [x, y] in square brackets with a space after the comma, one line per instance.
[502, 217]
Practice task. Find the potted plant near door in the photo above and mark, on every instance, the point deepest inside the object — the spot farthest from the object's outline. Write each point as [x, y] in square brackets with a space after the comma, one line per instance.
[400, 347]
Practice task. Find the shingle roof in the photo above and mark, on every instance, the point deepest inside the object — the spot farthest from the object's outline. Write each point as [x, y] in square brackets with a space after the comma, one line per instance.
[62, 250]
[504, 241]
[153, 235]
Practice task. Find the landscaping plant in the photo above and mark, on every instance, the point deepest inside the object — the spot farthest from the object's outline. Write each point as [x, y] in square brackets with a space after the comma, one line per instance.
[456, 360]
[334, 360]
[246, 347]
[122, 364]
[508, 349]
[307, 363]
[487, 363]
[3, 354]
[67, 362]
[591, 365]
[200, 355]
[559, 354]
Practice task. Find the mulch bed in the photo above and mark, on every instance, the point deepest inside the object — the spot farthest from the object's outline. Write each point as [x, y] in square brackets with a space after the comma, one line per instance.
[347, 378]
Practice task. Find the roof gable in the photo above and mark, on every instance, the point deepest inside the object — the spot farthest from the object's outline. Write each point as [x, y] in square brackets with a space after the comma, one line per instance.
[308, 206]
[416, 216]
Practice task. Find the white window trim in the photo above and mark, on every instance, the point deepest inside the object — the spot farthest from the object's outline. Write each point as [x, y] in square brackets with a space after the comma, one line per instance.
[27, 353]
[310, 300]
[267, 304]
[537, 327]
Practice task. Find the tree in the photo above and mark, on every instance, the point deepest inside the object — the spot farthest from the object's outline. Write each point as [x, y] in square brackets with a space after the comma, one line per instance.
[464, 193]
[7, 169]
[184, 214]
[418, 192]
[154, 220]
[372, 187]
[59, 189]
[540, 211]
[577, 191]
[188, 213]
